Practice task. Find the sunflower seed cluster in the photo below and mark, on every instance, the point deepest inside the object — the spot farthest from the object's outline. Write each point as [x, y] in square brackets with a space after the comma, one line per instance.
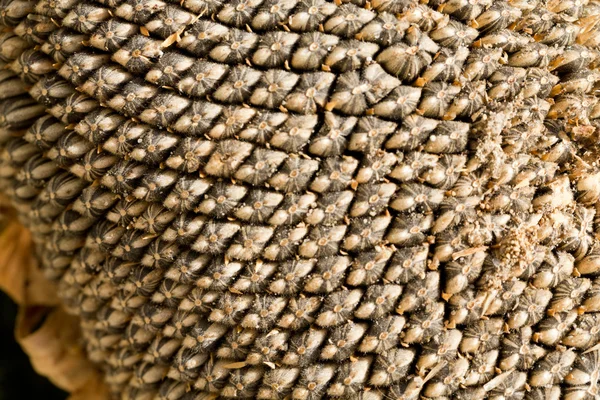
[305, 199]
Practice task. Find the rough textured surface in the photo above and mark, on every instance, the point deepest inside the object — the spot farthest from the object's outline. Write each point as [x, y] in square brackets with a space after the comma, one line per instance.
[309, 199]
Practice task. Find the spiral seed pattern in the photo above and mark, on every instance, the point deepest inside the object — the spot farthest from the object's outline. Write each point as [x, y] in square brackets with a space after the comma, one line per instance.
[306, 199]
